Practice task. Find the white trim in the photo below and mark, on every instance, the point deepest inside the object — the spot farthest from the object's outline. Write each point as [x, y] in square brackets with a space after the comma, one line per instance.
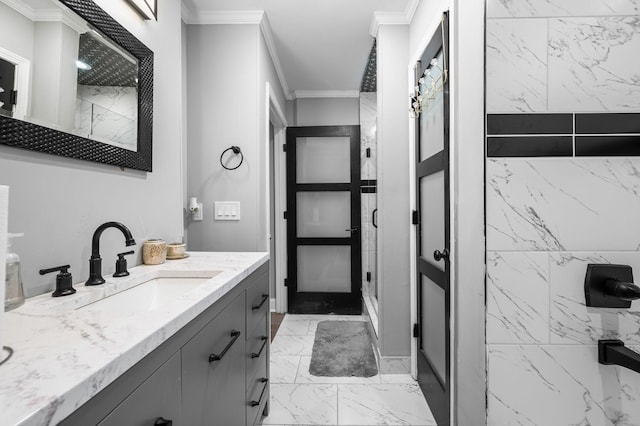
[65, 16]
[275, 114]
[393, 18]
[272, 304]
[275, 59]
[185, 11]
[300, 94]
[22, 79]
[20, 7]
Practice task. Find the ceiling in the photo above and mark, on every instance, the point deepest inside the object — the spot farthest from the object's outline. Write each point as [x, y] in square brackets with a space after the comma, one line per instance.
[321, 45]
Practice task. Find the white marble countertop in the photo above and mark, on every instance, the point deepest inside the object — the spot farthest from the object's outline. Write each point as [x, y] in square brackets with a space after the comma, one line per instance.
[63, 357]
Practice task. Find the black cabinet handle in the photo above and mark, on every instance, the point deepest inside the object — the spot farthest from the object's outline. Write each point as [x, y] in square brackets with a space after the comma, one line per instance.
[161, 421]
[264, 344]
[234, 336]
[259, 401]
[374, 217]
[264, 299]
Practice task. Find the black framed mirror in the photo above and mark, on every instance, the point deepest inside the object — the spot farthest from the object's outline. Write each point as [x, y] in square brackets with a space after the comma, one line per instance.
[36, 137]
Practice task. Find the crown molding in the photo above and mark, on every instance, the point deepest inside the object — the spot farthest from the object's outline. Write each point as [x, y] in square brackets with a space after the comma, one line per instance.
[302, 94]
[265, 27]
[231, 17]
[20, 7]
[62, 15]
[393, 18]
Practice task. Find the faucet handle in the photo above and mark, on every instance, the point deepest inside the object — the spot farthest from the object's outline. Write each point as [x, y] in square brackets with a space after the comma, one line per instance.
[121, 264]
[64, 280]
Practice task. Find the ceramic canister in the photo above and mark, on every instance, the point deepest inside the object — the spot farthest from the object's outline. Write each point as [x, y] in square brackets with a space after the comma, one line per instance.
[175, 251]
[154, 252]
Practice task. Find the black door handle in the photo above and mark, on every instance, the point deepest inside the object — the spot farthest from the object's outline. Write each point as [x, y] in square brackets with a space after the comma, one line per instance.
[161, 421]
[439, 255]
[234, 336]
[374, 216]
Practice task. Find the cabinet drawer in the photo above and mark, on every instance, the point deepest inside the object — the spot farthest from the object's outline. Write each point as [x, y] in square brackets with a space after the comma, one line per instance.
[213, 365]
[257, 350]
[157, 398]
[258, 303]
[258, 396]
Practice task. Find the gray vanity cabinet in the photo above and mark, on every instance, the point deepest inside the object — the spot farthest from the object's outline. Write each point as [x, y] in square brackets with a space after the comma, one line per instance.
[205, 374]
[212, 365]
[156, 401]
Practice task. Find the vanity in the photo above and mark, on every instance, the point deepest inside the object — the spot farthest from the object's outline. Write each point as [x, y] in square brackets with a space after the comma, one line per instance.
[182, 343]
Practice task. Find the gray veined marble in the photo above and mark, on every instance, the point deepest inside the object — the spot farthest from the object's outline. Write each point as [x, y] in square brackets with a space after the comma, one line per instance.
[548, 8]
[517, 297]
[571, 321]
[516, 67]
[558, 385]
[563, 204]
[594, 64]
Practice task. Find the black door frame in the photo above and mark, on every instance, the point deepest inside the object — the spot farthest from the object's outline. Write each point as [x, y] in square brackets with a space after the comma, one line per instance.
[324, 302]
[438, 394]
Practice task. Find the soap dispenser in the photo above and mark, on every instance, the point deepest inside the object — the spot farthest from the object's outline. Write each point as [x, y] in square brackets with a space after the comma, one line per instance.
[14, 292]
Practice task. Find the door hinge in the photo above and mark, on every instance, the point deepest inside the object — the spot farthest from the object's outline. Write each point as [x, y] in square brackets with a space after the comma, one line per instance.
[286, 283]
[13, 98]
[415, 219]
[284, 147]
[284, 215]
[369, 277]
[416, 330]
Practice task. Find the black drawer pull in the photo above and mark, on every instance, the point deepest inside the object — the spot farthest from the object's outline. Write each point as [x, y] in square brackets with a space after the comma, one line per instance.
[161, 421]
[234, 336]
[265, 297]
[259, 401]
[264, 344]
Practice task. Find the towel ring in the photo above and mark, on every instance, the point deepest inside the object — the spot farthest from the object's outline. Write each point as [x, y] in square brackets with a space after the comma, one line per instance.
[236, 150]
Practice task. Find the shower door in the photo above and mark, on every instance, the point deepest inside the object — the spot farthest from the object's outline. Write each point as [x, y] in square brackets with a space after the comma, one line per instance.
[323, 220]
[432, 230]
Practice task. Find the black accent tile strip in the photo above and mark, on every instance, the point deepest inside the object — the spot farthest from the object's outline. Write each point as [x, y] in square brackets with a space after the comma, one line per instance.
[596, 146]
[607, 123]
[531, 146]
[370, 182]
[368, 189]
[529, 124]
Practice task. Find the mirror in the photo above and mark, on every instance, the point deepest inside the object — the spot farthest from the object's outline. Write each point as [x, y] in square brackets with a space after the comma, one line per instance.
[75, 83]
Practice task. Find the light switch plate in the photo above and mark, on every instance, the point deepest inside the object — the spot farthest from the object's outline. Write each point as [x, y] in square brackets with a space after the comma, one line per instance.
[226, 210]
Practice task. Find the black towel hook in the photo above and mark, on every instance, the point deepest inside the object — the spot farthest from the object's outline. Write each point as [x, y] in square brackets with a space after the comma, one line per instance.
[236, 150]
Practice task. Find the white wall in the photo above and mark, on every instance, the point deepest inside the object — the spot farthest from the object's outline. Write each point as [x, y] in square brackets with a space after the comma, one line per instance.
[21, 30]
[226, 98]
[393, 192]
[59, 202]
[327, 111]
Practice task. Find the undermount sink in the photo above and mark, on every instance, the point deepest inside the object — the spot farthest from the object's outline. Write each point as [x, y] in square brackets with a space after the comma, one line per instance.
[149, 295]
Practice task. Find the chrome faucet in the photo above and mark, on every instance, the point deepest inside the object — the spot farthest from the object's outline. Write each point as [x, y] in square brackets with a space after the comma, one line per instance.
[95, 262]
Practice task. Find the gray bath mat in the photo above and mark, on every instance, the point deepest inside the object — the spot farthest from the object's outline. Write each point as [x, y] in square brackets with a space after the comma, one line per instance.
[342, 349]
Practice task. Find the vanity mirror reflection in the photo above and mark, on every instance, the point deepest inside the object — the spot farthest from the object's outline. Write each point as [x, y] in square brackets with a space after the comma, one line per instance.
[75, 83]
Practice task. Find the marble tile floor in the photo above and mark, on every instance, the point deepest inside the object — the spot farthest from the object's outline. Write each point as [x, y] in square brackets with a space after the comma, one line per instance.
[299, 398]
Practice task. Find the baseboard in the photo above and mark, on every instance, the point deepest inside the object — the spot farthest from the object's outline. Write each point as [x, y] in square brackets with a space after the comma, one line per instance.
[272, 304]
[395, 365]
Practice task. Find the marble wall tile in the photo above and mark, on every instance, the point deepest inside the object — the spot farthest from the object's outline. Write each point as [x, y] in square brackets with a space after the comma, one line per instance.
[558, 385]
[571, 321]
[563, 204]
[368, 134]
[545, 8]
[516, 65]
[594, 64]
[517, 297]
[120, 100]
